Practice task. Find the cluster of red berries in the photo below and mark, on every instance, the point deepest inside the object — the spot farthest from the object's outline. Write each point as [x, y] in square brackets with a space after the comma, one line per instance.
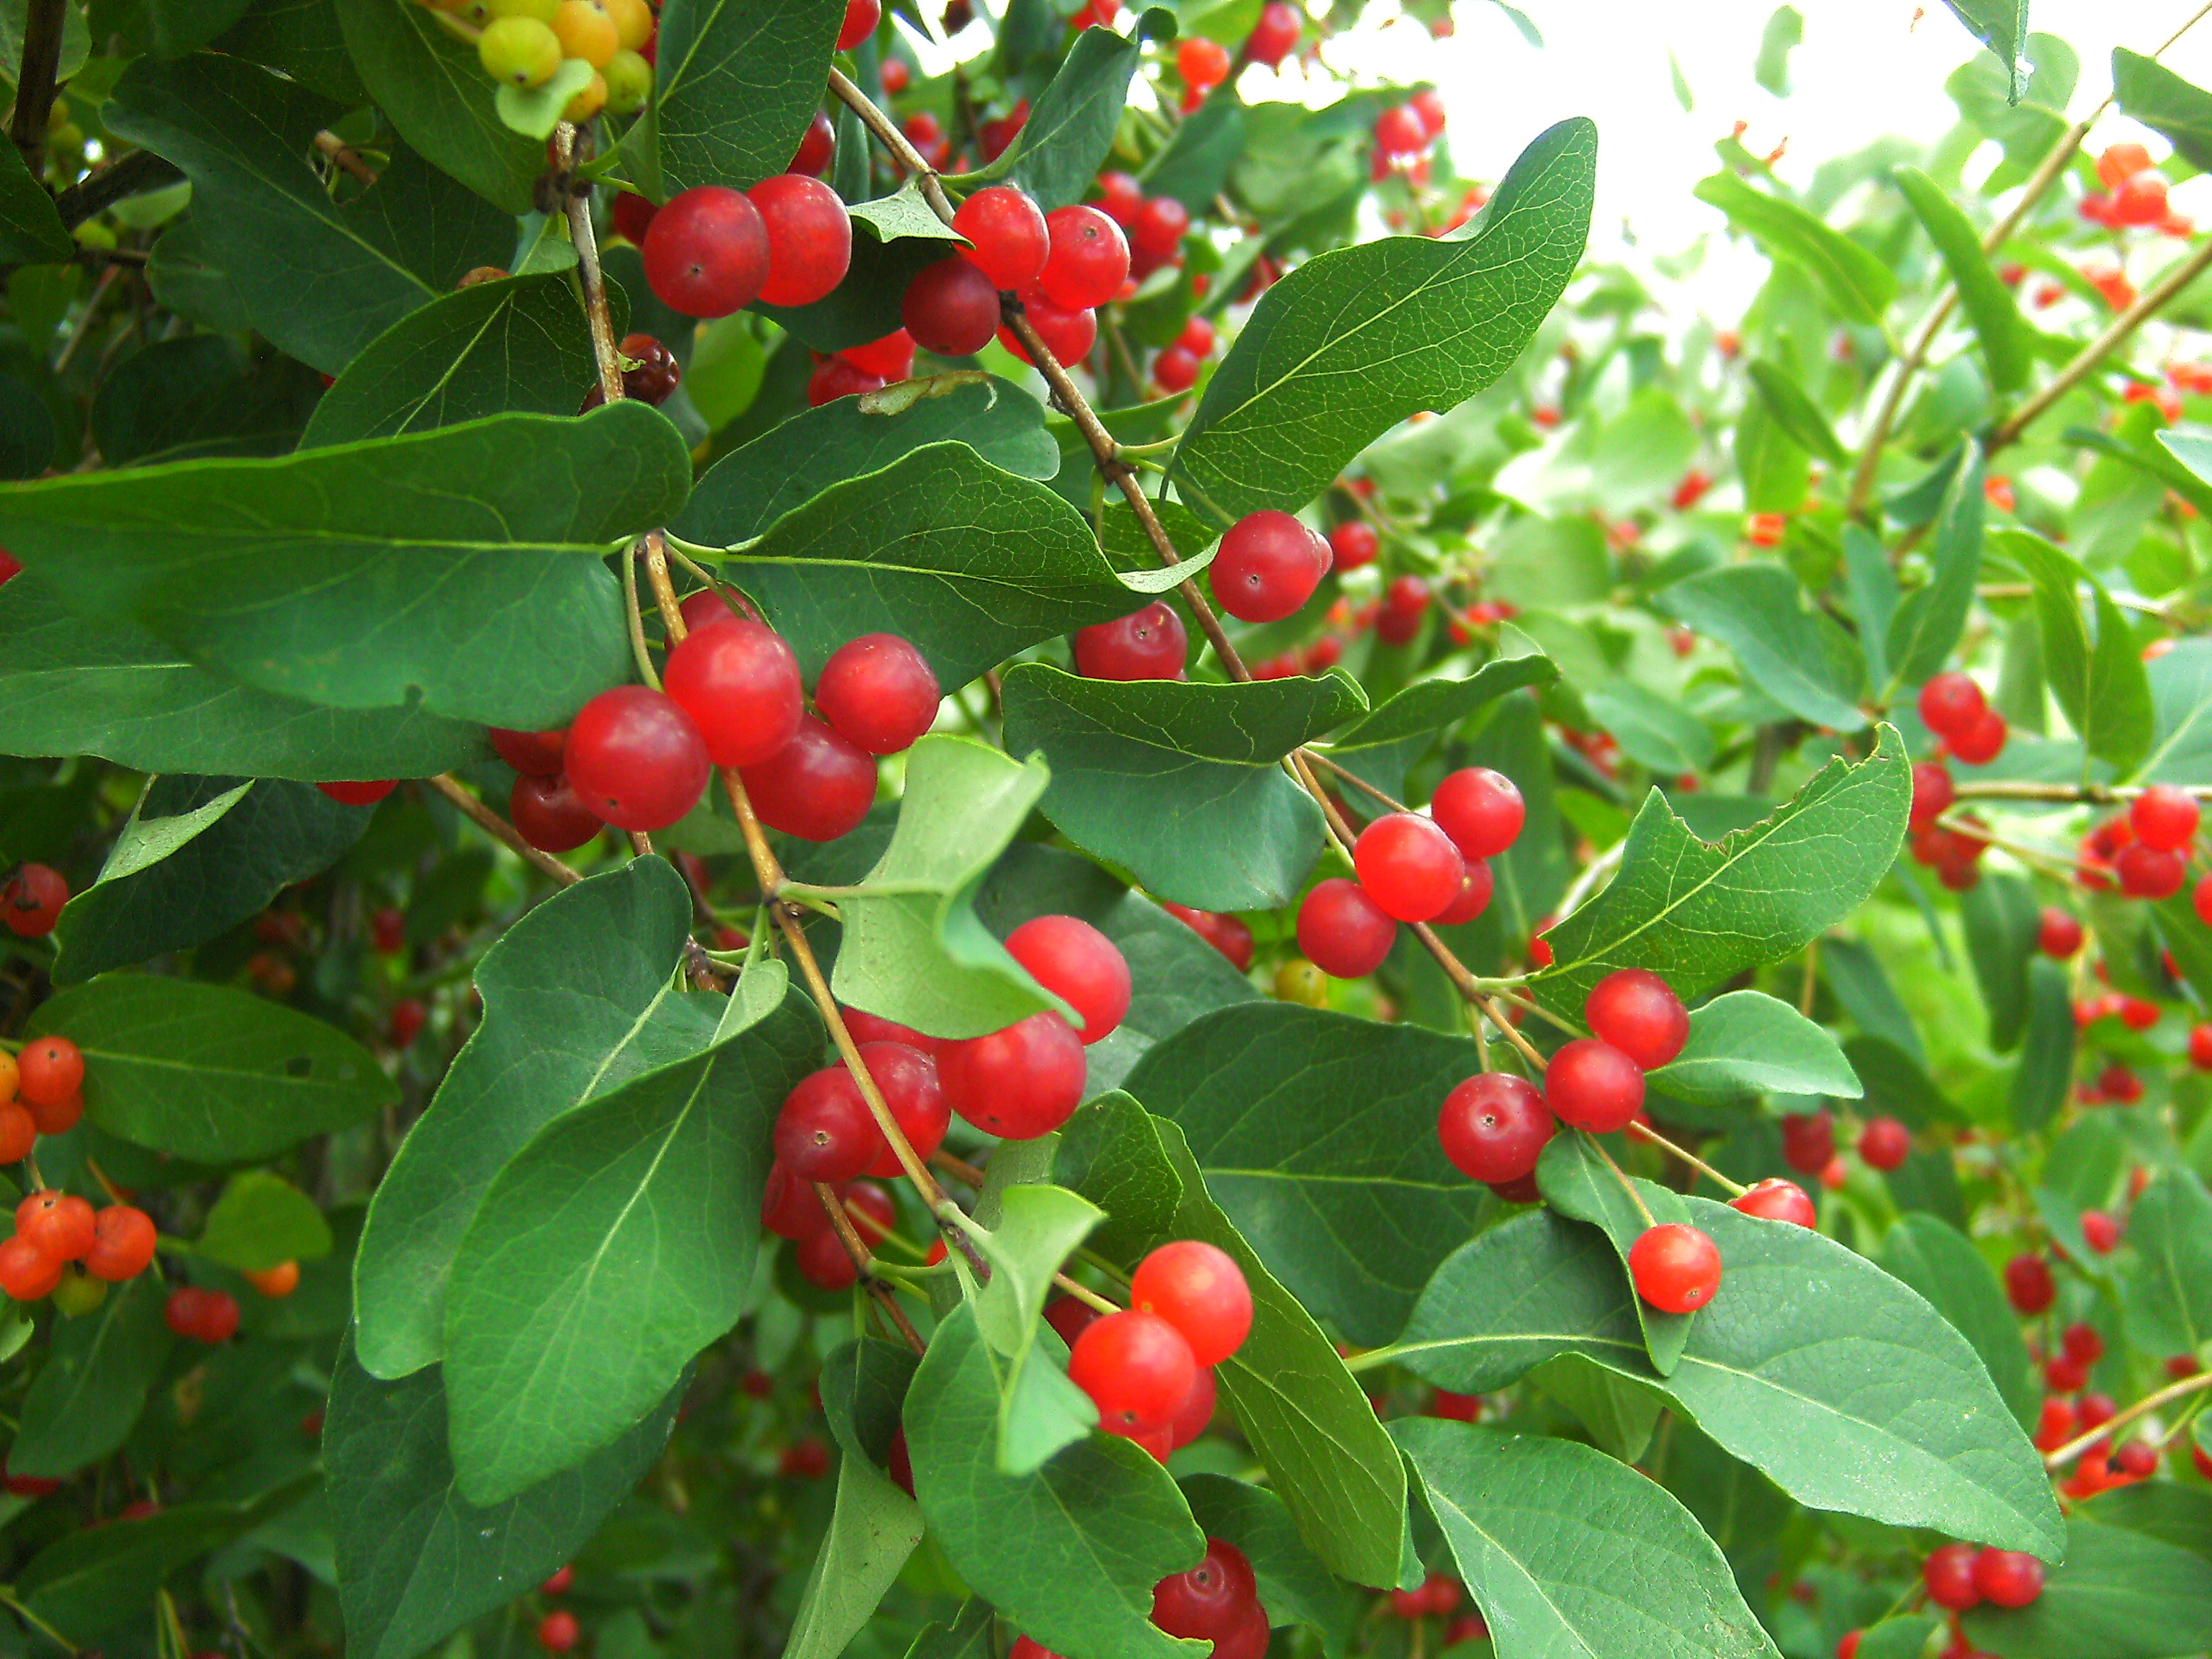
[198, 1315]
[1404, 131]
[1149, 1368]
[558, 1631]
[639, 759]
[1154, 225]
[1176, 366]
[2145, 850]
[2133, 194]
[42, 1093]
[1960, 1576]
[525, 43]
[53, 1230]
[32, 901]
[711, 250]
[1413, 869]
[790, 1208]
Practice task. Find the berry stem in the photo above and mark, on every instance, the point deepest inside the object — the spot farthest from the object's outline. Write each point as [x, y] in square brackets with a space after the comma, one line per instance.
[2094, 795]
[1644, 1132]
[1621, 1176]
[1356, 781]
[578, 207]
[2052, 863]
[641, 655]
[501, 831]
[2082, 1443]
[886, 1300]
[1089, 1297]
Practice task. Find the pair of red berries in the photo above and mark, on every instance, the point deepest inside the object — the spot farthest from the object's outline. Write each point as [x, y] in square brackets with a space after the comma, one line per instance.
[710, 250]
[1026, 1079]
[1218, 1600]
[32, 901]
[792, 1209]
[1412, 868]
[1225, 933]
[2149, 850]
[952, 307]
[1190, 1309]
[1960, 1576]
[201, 1316]
[1407, 129]
[53, 1228]
[1952, 706]
[1175, 368]
[41, 1094]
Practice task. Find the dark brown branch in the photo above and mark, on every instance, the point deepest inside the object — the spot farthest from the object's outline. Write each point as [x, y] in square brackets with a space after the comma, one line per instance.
[34, 83]
[135, 174]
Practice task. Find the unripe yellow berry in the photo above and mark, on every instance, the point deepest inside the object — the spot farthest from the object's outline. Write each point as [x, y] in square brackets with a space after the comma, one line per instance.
[1299, 981]
[543, 10]
[632, 22]
[520, 52]
[588, 102]
[586, 31]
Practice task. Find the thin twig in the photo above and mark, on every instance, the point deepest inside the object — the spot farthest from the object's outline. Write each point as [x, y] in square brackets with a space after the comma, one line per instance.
[885, 1299]
[1356, 780]
[135, 174]
[1621, 1176]
[36, 80]
[345, 156]
[578, 208]
[501, 831]
[1643, 1131]
[2093, 794]
[2082, 1443]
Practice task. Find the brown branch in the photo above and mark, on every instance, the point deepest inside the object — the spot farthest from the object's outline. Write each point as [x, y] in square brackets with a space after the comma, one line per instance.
[578, 207]
[1643, 1131]
[135, 174]
[36, 80]
[500, 829]
[1355, 781]
[863, 1262]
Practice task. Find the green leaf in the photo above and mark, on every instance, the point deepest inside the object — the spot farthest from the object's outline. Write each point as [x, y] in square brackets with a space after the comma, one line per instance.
[2117, 1595]
[971, 563]
[914, 950]
[1798, 415]
[1747, 1043]
[1776, 469]
[1065, 138]
[207, 1073]
[2169, 1286]
[303, 38]
[1068, 1552]
[200, 395]
[1576, 1184]
[875, 1526]
[1826, 1390]
[199, 855]
[1698, 911]
[431, 86]
[415, 1560]
[610, 1249]
[1619, 1414]
[493, 347]
[2164, 1510]
[1897, 1082]
[737, 81]
[1294, 1587]
[1928, 623]
[2006, 341]
[2102, 687]
[1567, 1551]
[172, 29]
[261, 1221]
[1316, 1133]
[31, 230]
[463, 569]
[87, 1397]
[1783, 34]
[1040, 1409]
[1857, 282]
[1382, 745]
[2046, 1073]
[535, 113]
[1873, 587]
[1942, 1264]
[904, 213]
[1220, 825]
[320, 278]
[2181, 704]
[1111, 1153]
[1353, 341]
[2004, 916]
[2001, 26]
[580, 996]
[1653, 730]
[2177, 111]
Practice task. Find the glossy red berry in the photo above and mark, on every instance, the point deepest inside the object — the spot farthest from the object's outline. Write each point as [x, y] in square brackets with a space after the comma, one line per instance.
[1174, 370]
[809, 238]
[49, 1070]
[1343, 931]
[907, 1079]
[59, 1224]
[890, 358]
[1933, 792]
[1408, 866]
[951, 308]
[2058, 933]
[1150, 644]
[1676, 1267]
[18, 1132]
[559, 1583]
[546, 813]
[1269, 566]
[1428, 103]
[2010, 1578]
[1593, 1085]
[2148, 873]
[1494, 1126]
[1885, 1143]
[1068, 335]
[1158, 227]
[201, 1316]
[1809, 1140]
[1982, 742]
[2165, 818]
[1008, 233]
[32, 901]
[1207, 1602]
[1276, 33]
[532, 754]
[2200, 1049]
[833, 378]
[1405, 602]
[1197, 337]
[706, 254]
[818, 787]
[1638, 1013]
[824, 1131]
[1136, 1367]
[2100, 1231]
[1077, 962]
[861, 17]
[1086, 260]
[1776, 1199]
[1950, 703]
[1480, 809]
[27, 1273]
[1476, 884]
[558, 1631]
[1400, 131]
[1195, 1415]
[879, 693]
[824, 1261]
[1225, 933]
[653, 373]
[2028, 1284]
[633, 215]
[815, 150]
[1019, 1083]
[740, 685]
[364, 792]
[123, 1243]
[790, 1208]
[635, 758]
[1201, 63]
[1199, 1290]
[2082, 1343]
[1949, 1573]
[1354, 544]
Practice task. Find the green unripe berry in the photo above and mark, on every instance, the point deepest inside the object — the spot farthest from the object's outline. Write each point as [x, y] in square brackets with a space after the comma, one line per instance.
[521, 51]
[543, 10]
[1299, 981]
[630, 83]
[79, 1293]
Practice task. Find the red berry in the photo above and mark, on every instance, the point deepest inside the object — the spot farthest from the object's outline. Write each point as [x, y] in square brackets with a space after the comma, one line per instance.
[818, 787]
[1428, 103]
[896, 76]
[1207, 1602]
[1074, 961]
[2058, 933]
[209, 1316]
[1199, 1290]
[559, 1583]
[1523, 1191]
[2201, 898]
[878, 692]
[633, 215]
[1197, 337]
[1225, 933]
[123, 1241]
[1174, 370]
[951, 308]
[1408, 866]
[1809, 1140]
[1278, 30]
[1776, 1199]
[2011, 1578]
[1196, 1414]
[1480, 809]
[59, 1224]
[870, 1209]
[1069, 1317]
[809, 238]
[27, 1273]
[1593, 1085]
[534, 753]
[2082, 1344]
[1949, 1576]
[1354, 544]
[2165, 818]
[2100, 1231]
[1137, 1369]
[1068, 335]
[653, 374]
[1158, 227]
[18, 1132]
[2138, 1461]
[1269, 566]
[907, 1079]
[2028, 1284]
[2096, 1410]
[1249, 1640]
[1475, 886]
[1982, 742]
[815, 150]
[49, 1070]
[1343, 931]
[546, 813]
[824, 1261]
[558, 1632]
[789, 1206]
[740, 685]
[635, 758]
[365, 792]
[1008, 231]
[1087, 259]
[1019, 1083]
[874, 1027]
[2054, 1423]
[32, 902]
[2200, 1049]
[1494, 1126]
[1885, 1143]
[1120, 196]
[1950, 703]
[890, 358]
[2147, 873]
[824, 1131]
[1400, 131]
[1676, 1267]
[835, 377]
[1638, 1013]
[1150, 644]
[707, 253]
[1201, 62]
[861, 17]
[1933, 792]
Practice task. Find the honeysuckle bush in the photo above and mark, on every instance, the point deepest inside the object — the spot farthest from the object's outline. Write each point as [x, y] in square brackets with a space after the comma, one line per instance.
[1376, 644]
